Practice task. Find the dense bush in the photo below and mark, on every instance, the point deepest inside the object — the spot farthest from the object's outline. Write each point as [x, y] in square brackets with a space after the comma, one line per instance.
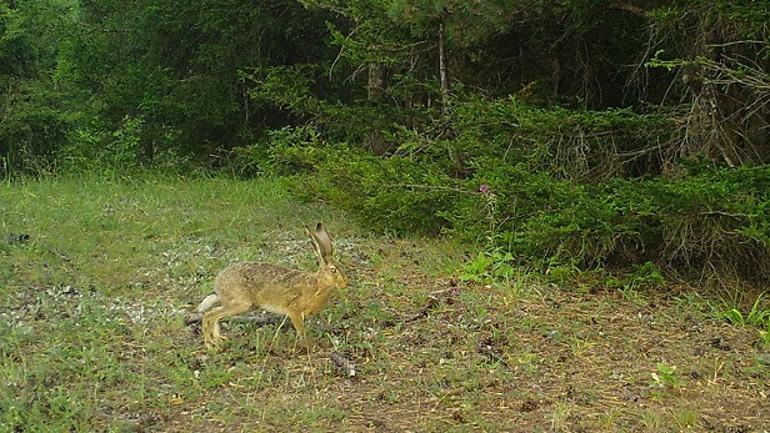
[694, 222]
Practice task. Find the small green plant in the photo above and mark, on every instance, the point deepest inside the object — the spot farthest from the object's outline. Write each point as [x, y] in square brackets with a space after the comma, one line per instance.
[685, 417]
[489, 266]
[764, 336]
[652, 421]
[756, 316]
[666, 376]
[646, 276]
[476, 269]
[693, 301]
[632, 295]
[734, 316]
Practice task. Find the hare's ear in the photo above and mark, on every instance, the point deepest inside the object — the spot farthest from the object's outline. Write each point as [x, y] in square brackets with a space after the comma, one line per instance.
[316, 246]
[324, 242]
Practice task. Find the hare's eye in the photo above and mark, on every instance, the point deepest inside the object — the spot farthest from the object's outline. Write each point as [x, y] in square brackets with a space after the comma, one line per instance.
[333, 269]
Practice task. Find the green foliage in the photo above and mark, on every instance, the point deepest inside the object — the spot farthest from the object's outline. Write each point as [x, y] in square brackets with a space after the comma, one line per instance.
[91, 151]
[491, 266]
[656, 169]
[756, 316]
[644, 277]
[764, 335]
[34, 115]
[119, 152]
[701, 220]
[666, 376]
[71, 73]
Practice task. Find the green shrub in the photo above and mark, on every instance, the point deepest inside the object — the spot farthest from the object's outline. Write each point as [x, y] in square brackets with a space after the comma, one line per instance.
[121, 152]
[503, 192]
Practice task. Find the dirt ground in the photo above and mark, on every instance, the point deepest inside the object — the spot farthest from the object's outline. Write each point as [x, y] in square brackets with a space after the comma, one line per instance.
[93, 332]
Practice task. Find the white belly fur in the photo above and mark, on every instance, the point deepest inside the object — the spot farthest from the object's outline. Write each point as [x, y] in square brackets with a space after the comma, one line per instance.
[274, 309]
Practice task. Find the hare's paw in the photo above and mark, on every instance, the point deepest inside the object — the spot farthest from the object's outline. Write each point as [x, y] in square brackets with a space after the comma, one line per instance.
[214, 340]
[304, 346]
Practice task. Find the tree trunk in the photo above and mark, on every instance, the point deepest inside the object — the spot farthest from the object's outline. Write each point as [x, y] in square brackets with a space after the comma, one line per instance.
[374, 86]
[374, 94]
[442, 67]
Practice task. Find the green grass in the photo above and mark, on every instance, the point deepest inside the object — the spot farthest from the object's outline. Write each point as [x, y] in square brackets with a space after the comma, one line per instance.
[92, 333]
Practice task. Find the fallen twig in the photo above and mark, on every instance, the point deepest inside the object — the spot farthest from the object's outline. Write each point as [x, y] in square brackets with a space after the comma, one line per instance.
[261, 319]
[432, 302]
[17, 238]
[434, 299]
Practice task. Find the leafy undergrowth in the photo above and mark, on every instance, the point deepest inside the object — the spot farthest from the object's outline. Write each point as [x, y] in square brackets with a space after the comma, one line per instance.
[97, 278]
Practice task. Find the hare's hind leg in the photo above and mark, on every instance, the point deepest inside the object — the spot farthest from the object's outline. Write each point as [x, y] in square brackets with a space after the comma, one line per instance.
[211, 335]
[204, 306]
[207, 303]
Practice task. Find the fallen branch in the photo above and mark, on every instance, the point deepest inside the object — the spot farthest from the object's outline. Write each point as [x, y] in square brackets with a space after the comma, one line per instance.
[261, 319]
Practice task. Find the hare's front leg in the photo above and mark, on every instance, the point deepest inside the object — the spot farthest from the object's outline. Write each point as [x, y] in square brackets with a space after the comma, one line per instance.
[211, 335]
[298, 320]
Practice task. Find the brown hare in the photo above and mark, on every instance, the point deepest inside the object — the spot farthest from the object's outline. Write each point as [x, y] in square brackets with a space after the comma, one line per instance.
[246, 286]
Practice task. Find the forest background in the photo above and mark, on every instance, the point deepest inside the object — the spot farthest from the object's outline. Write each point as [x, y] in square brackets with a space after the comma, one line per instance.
[568, 136]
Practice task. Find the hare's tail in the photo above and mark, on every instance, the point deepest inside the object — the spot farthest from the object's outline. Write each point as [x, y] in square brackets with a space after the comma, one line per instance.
[207, 303]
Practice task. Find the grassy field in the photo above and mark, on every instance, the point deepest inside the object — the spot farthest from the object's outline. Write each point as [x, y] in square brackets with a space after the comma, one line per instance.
[97, 277]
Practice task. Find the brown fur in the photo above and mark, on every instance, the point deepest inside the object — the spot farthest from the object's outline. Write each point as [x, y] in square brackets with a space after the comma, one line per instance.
[245, 286]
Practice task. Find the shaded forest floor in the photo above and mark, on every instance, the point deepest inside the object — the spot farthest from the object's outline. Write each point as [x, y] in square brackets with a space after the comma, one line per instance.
[97, 277]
